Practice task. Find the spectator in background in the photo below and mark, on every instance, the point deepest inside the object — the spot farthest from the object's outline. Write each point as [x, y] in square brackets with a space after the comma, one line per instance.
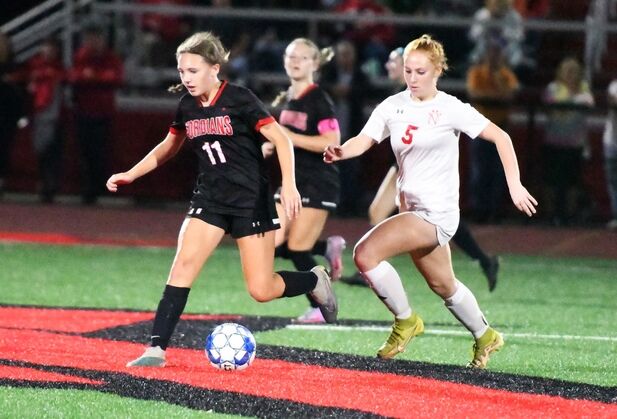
[497, 21]
[373, 40]
[96, 74]
[267, 52]
[610, 152]
[11, 107]
[446, 7]
[491, 84]
[532, 10]
[45, 77]
[565, 140]
[347, 85]
[162, 32]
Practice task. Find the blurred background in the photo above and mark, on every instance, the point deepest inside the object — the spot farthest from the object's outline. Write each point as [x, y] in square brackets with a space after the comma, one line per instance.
[84, 92]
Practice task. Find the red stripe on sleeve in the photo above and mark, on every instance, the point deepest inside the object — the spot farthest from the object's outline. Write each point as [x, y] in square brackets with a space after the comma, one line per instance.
[176, 131]
[264, 121]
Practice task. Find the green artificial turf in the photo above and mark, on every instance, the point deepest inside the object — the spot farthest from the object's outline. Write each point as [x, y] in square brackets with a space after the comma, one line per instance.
[53, 403]
[557, 314]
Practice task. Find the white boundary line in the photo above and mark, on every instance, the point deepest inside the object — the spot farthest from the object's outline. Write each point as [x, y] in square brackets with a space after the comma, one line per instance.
[446, 332]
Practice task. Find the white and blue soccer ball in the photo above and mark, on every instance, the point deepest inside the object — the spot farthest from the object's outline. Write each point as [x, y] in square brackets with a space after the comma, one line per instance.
[230, 346]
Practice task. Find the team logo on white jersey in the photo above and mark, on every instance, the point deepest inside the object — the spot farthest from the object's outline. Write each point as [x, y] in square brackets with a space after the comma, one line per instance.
[433, 117]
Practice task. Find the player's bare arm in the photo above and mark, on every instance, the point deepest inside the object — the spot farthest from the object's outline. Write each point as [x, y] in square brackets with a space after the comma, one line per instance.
[314, 143]
[521, 198]
[353, 147]
[290, 197]
[164, 151]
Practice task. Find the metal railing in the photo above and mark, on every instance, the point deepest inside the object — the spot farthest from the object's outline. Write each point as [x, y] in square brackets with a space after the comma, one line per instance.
[51, 17]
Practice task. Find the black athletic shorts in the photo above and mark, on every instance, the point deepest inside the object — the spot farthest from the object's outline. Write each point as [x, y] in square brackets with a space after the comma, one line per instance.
[236, 226]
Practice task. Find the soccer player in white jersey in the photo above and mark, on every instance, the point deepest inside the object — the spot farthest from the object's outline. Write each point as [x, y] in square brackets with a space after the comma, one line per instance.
[424, 125]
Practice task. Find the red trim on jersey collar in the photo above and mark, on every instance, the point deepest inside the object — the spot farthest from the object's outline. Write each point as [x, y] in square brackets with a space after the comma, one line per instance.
[307, 90]
[218, 94]
[216, 97]
[264, 121]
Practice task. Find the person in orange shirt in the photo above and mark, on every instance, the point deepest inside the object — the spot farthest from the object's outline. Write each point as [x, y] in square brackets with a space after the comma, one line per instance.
[491, 85]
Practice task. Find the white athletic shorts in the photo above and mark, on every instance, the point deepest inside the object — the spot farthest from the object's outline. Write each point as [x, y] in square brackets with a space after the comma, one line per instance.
[446, 223]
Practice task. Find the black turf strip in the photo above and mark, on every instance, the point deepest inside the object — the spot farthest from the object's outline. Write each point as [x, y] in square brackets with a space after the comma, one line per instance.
[187, 396]
[191, 334]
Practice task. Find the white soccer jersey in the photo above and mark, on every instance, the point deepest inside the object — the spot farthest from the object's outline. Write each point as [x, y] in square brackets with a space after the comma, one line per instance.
[424, 138]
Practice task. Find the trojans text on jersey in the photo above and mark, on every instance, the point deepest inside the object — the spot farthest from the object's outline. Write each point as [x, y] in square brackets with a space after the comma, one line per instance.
[216, 125]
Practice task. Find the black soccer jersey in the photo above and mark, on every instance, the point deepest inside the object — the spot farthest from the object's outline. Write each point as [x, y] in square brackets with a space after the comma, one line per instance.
[304, 115]
[225, 136]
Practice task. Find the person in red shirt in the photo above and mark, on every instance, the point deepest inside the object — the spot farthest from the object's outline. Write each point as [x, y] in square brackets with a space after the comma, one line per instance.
[45, 75]
[96, 74]
[373, 40]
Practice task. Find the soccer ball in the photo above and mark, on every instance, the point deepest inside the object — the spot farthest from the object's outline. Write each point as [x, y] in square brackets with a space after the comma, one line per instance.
[230, 346]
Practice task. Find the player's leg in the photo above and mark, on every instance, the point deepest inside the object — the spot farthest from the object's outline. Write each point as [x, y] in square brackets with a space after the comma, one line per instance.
[436, 267]
[263, 284]
[383, 204]
[303, 233]
[465, 240]
[280, 235]
[331, 249]
[196, 242]
[399, 234]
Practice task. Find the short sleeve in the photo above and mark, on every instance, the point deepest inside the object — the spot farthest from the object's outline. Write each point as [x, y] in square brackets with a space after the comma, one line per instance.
[177, 125]
[325, 107]
[254, 111]
[376, 127]
[325, 115]
[467, 119]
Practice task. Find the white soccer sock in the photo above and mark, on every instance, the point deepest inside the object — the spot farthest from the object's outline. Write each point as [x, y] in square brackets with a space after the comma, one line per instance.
[463, 305]
[386, 283]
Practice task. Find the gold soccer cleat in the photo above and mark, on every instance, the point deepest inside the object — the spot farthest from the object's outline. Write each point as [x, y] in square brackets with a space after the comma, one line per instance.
[402, 333]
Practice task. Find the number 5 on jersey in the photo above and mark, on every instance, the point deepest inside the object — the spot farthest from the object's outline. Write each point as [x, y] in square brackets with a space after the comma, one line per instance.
[216, 146]
[408, 137]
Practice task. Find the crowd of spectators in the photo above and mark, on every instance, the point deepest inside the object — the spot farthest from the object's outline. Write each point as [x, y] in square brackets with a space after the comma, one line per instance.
[496, 60]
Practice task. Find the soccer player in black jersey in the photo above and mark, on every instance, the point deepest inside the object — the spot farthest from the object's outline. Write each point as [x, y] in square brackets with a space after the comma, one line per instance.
[224, 125]
[307, 117]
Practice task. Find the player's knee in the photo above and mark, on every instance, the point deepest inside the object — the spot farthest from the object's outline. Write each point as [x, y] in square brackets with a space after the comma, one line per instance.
[184, 268]
[362, 256]
[259, 293]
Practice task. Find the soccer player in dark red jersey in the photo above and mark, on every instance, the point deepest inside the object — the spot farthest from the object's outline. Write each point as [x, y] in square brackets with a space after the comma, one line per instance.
[225, 125]
[307, 117]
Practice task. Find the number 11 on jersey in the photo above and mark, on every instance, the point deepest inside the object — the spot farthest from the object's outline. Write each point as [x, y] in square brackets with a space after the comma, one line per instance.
[216, 146]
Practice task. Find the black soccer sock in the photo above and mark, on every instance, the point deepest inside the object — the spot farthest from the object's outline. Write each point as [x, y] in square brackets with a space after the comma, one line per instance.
[304, 261]
[320, 248]
[281, 251]
[297, 283]
[466, 242]
[168, 313]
